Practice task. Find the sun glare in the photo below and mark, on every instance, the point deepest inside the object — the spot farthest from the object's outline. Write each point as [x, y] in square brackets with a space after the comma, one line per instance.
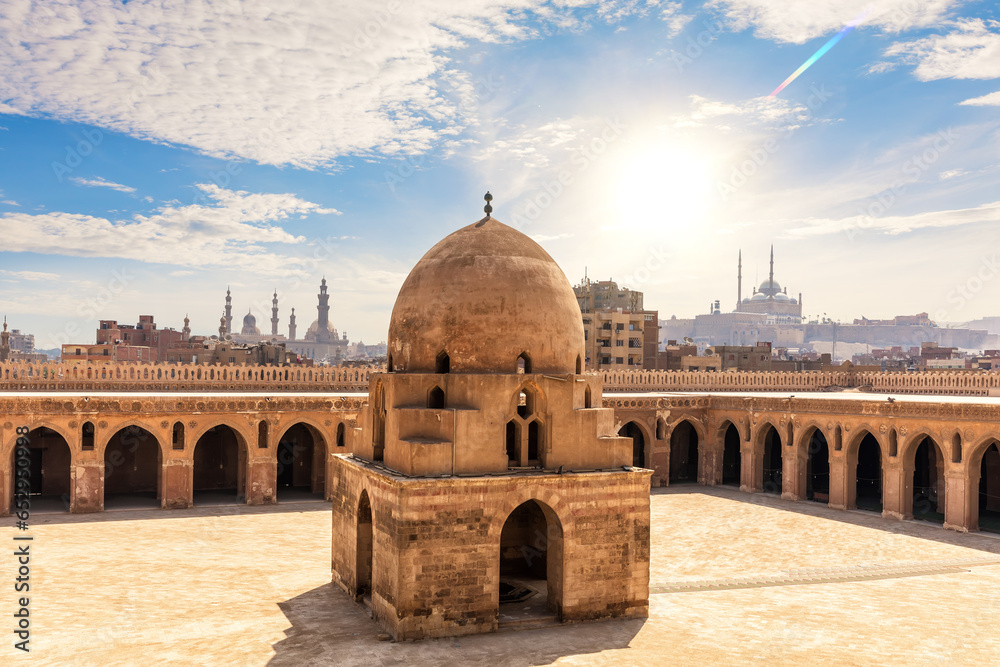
[662, 186]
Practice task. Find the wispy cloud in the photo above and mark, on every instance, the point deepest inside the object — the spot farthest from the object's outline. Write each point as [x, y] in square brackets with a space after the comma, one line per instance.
[970, 51]
[10, 202]
[992, 100]
[795, 22]
[289, 84]
[30, 275]
[225, 228]
[101, 183]
[898, 224]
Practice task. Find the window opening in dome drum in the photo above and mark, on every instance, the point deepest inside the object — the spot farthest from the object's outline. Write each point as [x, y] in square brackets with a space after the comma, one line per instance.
[523, 363]
[443, 363]
[435, 398]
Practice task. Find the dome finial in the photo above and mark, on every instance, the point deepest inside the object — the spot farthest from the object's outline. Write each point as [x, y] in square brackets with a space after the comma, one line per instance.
[489, 209]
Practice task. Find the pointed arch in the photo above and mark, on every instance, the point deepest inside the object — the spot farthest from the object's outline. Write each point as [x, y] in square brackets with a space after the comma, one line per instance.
[442, 363]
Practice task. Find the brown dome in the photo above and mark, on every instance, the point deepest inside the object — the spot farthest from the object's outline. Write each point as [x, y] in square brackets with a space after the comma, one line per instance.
[484, 295]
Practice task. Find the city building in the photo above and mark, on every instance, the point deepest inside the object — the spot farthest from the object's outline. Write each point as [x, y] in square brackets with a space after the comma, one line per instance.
[113, 338]
[484, 470]
[618, 333]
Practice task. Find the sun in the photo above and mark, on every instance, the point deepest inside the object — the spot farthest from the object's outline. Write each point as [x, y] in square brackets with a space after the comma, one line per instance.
[663, 185]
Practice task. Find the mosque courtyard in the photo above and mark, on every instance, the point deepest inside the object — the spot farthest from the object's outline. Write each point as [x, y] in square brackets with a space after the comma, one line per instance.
[735, 579]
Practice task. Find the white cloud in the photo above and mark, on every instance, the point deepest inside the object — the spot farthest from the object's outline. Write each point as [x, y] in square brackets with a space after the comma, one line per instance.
[952, 173]
[898, 224]
[674, 18]
[758, 111]
[992, 100]
[101, 183]
[971, 51]
[300, 83]
[30, 275]
[223, 228]
[182, 273]
[796, 22]
[10, 202]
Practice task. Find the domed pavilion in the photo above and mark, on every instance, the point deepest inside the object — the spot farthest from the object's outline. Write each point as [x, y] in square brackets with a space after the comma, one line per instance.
[487, 480]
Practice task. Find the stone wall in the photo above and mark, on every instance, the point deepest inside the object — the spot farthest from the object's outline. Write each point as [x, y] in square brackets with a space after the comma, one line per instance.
[437, 545]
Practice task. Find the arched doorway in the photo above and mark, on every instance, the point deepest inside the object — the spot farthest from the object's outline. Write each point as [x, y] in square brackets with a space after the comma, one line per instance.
[771, 461]
[301, 472]
[732, 462]
[132, 470]
[868, 475]
[531, 563]
[989, 489]
[632, 430]
[817, 468]
[220, 467]
[683, 454]
[365, 550]
[49, 461]
[928, 482]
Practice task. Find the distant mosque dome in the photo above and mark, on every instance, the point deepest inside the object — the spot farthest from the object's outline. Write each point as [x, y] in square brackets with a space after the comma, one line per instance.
[759, 296]
[314, 327]
[781, 296]
[250, 325]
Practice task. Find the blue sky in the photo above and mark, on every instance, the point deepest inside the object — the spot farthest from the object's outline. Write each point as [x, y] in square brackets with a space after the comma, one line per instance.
[152, 155]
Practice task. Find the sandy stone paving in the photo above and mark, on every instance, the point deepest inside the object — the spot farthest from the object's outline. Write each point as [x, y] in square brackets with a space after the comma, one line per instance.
[250, 586]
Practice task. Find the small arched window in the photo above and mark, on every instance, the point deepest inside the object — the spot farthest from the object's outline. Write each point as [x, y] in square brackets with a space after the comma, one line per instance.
[956, 448]
[523, 363]
[177, 437]
[262, 435]
[893, 443]
[87, 436]
[579, 364]
[587, 400]
[435, 398]
[340, 434]
[838, 439]
[661, 429]
[442, 363]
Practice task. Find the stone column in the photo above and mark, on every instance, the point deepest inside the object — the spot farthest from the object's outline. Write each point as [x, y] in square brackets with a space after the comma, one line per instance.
[838, 480]
[178, 482]
[262, 481]
[958, 501]
[793, 474]
[897, 491]
[748, 467]
[87, 487]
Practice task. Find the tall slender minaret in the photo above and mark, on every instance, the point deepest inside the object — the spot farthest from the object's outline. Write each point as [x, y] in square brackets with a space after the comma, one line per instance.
[291, 325]
[323, 309]
[770, 276]
[186, 331]
[274, 314]
[229, 311]
[4, 342]
[739, 281]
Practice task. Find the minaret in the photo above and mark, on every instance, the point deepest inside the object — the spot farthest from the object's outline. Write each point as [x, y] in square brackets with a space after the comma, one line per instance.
[4, 342]
[323, 321]
[770, 276]
[186, 331]
[274, 314]
[229, 312]
[739, 280]
[291, 325]
[222, 327]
